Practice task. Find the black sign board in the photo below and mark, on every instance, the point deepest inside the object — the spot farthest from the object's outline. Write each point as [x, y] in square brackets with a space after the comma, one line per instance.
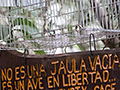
[72, 71]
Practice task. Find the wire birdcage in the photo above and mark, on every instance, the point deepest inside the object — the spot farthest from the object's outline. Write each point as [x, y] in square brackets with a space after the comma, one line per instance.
[51, 24]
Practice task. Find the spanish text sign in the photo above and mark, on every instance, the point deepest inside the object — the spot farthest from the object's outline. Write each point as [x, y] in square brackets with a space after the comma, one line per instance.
[73, 71]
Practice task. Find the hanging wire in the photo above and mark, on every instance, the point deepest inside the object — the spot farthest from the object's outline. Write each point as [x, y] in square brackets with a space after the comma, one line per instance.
[92, 35]
[26, 52]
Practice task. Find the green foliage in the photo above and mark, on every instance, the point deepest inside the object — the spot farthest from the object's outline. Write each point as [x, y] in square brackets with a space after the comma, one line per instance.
[31, 30]
[28, 25]
[69, 28]
[80, 47]
[41, 52]
[24, 21]
[4, 32]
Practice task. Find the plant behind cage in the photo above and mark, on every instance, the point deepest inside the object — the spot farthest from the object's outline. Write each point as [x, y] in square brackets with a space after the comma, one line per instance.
[51, 24]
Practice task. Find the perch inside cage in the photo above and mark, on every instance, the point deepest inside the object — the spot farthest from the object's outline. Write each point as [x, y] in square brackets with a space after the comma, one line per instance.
[51, 24]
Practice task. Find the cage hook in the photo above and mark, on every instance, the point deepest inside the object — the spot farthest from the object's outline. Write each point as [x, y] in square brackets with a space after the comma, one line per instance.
[25, 50]
[93, 41]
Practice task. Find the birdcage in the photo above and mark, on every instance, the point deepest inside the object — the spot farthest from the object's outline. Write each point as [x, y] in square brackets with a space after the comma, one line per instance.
[51, 24]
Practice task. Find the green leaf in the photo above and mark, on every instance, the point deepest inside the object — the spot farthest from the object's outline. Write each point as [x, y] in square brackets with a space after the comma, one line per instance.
[70, 28]
[4, 32]
[80, 47]
[24, 21]
[31, 31]
[41, 52]
[28, 26]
